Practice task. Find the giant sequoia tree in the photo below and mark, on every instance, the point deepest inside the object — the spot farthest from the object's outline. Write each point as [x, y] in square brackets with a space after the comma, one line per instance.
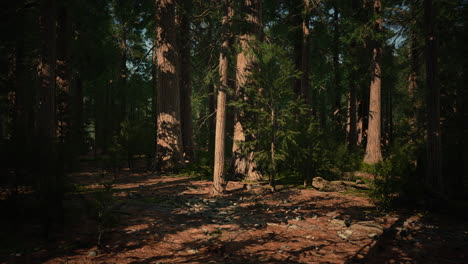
[169, 136]
[373, 150]
[251, 30]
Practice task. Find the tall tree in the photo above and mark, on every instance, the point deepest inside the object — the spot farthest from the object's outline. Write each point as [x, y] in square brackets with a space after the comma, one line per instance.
[336, 66]
[169, 152]
[373, 149]
[305, 51]
[352, 96]
[434, 161]
[46, 119]
[63, 72]
[24, 96]
[185, 80]
[219, 182]
[251, 30]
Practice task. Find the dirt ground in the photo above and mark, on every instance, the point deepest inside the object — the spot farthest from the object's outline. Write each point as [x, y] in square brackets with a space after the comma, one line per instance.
[169, 219]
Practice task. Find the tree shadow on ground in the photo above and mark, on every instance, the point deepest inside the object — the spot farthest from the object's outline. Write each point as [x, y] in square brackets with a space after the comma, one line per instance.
[176, 220]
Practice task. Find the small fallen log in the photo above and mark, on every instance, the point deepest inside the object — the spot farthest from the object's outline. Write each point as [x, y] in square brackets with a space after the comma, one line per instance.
[323, 185]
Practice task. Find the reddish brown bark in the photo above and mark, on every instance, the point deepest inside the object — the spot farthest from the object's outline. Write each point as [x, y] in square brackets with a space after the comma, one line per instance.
[244, 165]
[219, 182]
[373, 148]
[168, 139]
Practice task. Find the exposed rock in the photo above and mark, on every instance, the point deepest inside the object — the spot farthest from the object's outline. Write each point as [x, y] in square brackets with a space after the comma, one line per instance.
[319, 183]
[93, 253]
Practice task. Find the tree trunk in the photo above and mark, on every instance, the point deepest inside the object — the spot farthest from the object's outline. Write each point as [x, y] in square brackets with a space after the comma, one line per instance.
[336, 69]
[305, 52]
[169, 137]
[211, 117]
[63, 79]
[185, 80]
[219, 182]
[24, 101]
[46, 120]
[434, 161]
[122, 79]
[244, 165]
[352, 97]
[373, 149]
[413, 84]
[64, 82]
[272, 151]
[352, 115]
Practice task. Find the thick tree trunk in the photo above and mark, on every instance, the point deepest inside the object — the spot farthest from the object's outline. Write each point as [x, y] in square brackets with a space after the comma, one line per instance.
[373, 149]
[434, 161]
[244, 165]
[219, 182]
[185, 80]
[169, 152]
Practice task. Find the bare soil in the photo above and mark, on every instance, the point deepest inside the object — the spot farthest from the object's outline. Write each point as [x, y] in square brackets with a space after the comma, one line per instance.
[171, 219]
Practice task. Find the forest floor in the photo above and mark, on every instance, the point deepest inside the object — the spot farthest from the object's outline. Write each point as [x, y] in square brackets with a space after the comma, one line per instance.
[172, 219]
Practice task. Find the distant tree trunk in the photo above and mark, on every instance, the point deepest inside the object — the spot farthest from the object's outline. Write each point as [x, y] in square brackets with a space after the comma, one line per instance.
[219, 183]
[373, 149]
[77, 129]
[336, 69]
[363, 121]
[24, 101]
[64, 83]
[272, 150]
[297, 36]
[50, 181]
[352, 115]
[413, 84]
[154, 75]
[185, 80]
[305, 52]
[122, 79]
[244, 165]
[434, 161]
[63, 79]
[169, 150]
[211, 117]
